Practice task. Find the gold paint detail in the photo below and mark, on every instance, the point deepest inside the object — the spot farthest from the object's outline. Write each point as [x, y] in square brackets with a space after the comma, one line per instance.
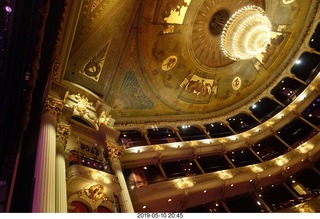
[63, 132]
[82, 105]
[303, 208]
[94, 192]
[95, 4]
[53, 106]
[103, 118]
[114, 151]
[93, 68]
[236, 83]
[56, 68]
[169, 63]
[200, 86]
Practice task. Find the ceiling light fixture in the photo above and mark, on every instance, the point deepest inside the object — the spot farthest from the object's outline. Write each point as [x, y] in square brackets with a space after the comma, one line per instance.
[246, 34]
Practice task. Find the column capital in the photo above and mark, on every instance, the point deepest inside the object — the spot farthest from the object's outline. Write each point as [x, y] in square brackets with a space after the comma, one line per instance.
[144, 132]
[53, 106]
[63, 133]
[114, 151]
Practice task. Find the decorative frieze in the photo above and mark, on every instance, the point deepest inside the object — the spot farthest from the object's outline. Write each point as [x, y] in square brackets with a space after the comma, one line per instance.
[89, 173]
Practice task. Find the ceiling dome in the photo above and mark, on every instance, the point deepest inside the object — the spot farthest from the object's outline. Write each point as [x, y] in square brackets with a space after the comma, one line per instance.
[164, 62]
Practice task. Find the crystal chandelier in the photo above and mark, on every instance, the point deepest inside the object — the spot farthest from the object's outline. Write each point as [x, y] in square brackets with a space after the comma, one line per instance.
[246, 34]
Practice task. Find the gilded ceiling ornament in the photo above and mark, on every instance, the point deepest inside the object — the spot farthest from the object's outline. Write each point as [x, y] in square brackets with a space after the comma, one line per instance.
[103, 118]
[63, 132]
[287, 1]
[236, 83]
[93, 67]
[82, 104]
[200, 86]
[54, 106]
[169, 63]
[173, 7]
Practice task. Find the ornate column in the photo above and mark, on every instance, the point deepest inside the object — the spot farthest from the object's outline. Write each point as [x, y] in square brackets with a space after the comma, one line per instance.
[293, 76]
[225, 206]
[204, 130]
[292, 192]
[253, 116]
[145, 135]
[44, 176]
[63, 132]
[306, 121]
[114, 155]
[254, 153]
[261, 201]
[228, 160]
[198, 165]
[229, 127]
[159, 165]
[276, 100]
[176, 131]
[274, 133]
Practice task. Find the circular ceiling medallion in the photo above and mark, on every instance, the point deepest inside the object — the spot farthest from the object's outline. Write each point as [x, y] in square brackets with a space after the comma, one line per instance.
[236, 83]
[92, 69]
[169, 63]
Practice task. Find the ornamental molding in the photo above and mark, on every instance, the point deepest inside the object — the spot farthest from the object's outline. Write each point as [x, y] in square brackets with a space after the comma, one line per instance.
[94, 193]
[53, 106]
[114, 151]
[76, 171]
[63, 132]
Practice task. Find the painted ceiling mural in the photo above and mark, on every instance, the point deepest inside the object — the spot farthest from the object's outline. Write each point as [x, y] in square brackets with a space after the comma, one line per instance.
[163, 58]
[131, 95]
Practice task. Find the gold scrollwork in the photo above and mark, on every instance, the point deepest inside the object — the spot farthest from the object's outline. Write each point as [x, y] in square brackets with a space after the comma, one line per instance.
[94, 192]
[54, 106]
[114, 151]
[63, 132]
[82, 104]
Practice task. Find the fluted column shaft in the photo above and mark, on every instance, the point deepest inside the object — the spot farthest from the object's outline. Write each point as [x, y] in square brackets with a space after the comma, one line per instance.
[63, 131]
[44, 186]
[114, 155]
[116, 167]
[44, 175]
[61, 190]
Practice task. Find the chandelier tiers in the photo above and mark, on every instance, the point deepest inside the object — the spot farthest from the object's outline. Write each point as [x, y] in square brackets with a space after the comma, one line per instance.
[246, 34]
